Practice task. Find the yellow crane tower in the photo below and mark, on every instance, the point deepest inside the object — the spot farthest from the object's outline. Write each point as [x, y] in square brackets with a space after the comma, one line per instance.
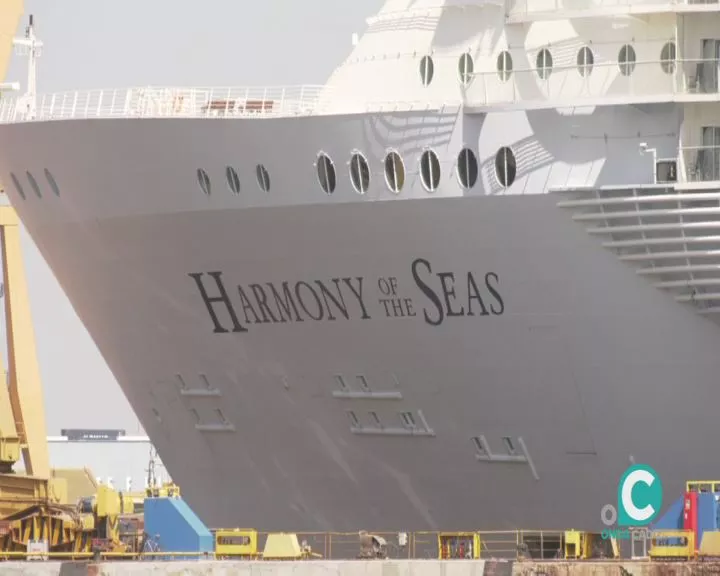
[22, 415]
[10, 13]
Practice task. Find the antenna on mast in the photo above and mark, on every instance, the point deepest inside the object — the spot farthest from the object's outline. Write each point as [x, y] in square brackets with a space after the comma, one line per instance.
[31, 47]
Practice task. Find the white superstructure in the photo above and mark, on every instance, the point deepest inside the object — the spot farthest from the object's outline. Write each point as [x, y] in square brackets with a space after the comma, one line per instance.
[462, 285]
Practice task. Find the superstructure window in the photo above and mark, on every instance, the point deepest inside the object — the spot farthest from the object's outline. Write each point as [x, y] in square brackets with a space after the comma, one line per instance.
[467, 168]
[430, 170]
[326, 173]
[354, 422]
[394, 172]
[233, 180]
[53, 184]
[34, 184]
[466, 66]
[263, 178]
[359, 173]
[668, 54]
[17, 185]
[505, 166]
[408, 420]
[504, 65]
[509, 445]
[427, 69]
[585, 61]
[627, 60]
[544, 63]
[204, 181]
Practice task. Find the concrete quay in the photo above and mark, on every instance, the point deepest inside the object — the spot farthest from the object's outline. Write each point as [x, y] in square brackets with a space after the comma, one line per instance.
[361, 568]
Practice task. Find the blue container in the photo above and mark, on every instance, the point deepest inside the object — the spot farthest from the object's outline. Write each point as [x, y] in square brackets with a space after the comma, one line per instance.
[176, 528]
[672, 519]
[707, 514]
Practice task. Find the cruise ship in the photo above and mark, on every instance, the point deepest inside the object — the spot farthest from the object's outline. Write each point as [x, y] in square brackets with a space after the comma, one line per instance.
[463, 285]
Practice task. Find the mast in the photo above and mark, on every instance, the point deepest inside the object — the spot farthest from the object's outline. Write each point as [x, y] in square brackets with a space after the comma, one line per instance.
[31, 47]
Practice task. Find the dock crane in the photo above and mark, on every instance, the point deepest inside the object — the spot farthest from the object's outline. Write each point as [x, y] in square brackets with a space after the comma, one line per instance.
[22, 415]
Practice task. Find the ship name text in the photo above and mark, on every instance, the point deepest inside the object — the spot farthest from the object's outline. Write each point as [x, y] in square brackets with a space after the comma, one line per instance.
[438, 297]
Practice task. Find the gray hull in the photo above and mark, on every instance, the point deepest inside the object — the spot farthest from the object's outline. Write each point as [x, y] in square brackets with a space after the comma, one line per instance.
[571, 355]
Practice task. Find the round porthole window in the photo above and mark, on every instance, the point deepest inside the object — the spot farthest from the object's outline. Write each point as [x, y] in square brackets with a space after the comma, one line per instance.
[233, 180]
[430, 170]
[394, 172]
[505, 166]
[204, 181]
[17, 185]
[544, 62]
[626, 60]
[668, 55]
[263, 178]
[467, 168]
[359, 173]
[326, 173]
[504, 65]
[427, 69]
[585, 61]
[34, 184]
[53, 184]
[466, 66]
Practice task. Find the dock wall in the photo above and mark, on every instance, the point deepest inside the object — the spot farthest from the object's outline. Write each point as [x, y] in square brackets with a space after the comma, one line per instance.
[361, 568]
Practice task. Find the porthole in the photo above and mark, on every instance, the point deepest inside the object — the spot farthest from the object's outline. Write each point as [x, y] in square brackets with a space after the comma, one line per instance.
[359, 173]
[430, 170]
[585, 61]
[34, 184]
[53, 184]
[667, 58]
[204, 181]
[626, 60]
[394, 172]
[427, 69]
[465, 69]
[17, 185]
[263, 178]
[504, 65]
[326, 173]
[505, 166]
[544, 64]
[467, 168]
[233, 180]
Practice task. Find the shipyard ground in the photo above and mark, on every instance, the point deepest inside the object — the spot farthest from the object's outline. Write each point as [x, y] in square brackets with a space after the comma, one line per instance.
[364, 568]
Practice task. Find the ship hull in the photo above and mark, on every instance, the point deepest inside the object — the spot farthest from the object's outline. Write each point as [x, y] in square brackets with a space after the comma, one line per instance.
[485, 317]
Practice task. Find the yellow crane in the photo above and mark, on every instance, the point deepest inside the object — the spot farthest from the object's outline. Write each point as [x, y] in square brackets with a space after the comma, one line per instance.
[10, 13]
[22, 415]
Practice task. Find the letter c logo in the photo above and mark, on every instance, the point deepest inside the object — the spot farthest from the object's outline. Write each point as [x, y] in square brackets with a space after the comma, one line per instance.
[639, 485]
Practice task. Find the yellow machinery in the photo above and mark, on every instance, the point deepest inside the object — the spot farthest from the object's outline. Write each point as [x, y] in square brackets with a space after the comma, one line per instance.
[586, 545]
[94, 524]
[702, 486]
[458, 545]
[22, 415]
[672, 545]
[237, 544]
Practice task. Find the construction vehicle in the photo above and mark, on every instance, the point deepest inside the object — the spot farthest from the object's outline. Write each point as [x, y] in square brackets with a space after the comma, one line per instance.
[589, 545]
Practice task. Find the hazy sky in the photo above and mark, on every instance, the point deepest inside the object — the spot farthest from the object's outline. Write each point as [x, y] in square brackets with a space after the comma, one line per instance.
[109, 44]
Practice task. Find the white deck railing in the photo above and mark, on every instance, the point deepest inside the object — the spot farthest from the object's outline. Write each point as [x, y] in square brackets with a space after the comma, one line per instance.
[152, 102]
[526, 9]
[565, 85]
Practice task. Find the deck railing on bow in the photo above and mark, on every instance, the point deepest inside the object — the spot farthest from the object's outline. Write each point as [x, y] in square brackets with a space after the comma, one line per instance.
[151, 102]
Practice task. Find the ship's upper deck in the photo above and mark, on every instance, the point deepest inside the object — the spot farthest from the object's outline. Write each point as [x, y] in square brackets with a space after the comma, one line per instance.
[484, 55]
